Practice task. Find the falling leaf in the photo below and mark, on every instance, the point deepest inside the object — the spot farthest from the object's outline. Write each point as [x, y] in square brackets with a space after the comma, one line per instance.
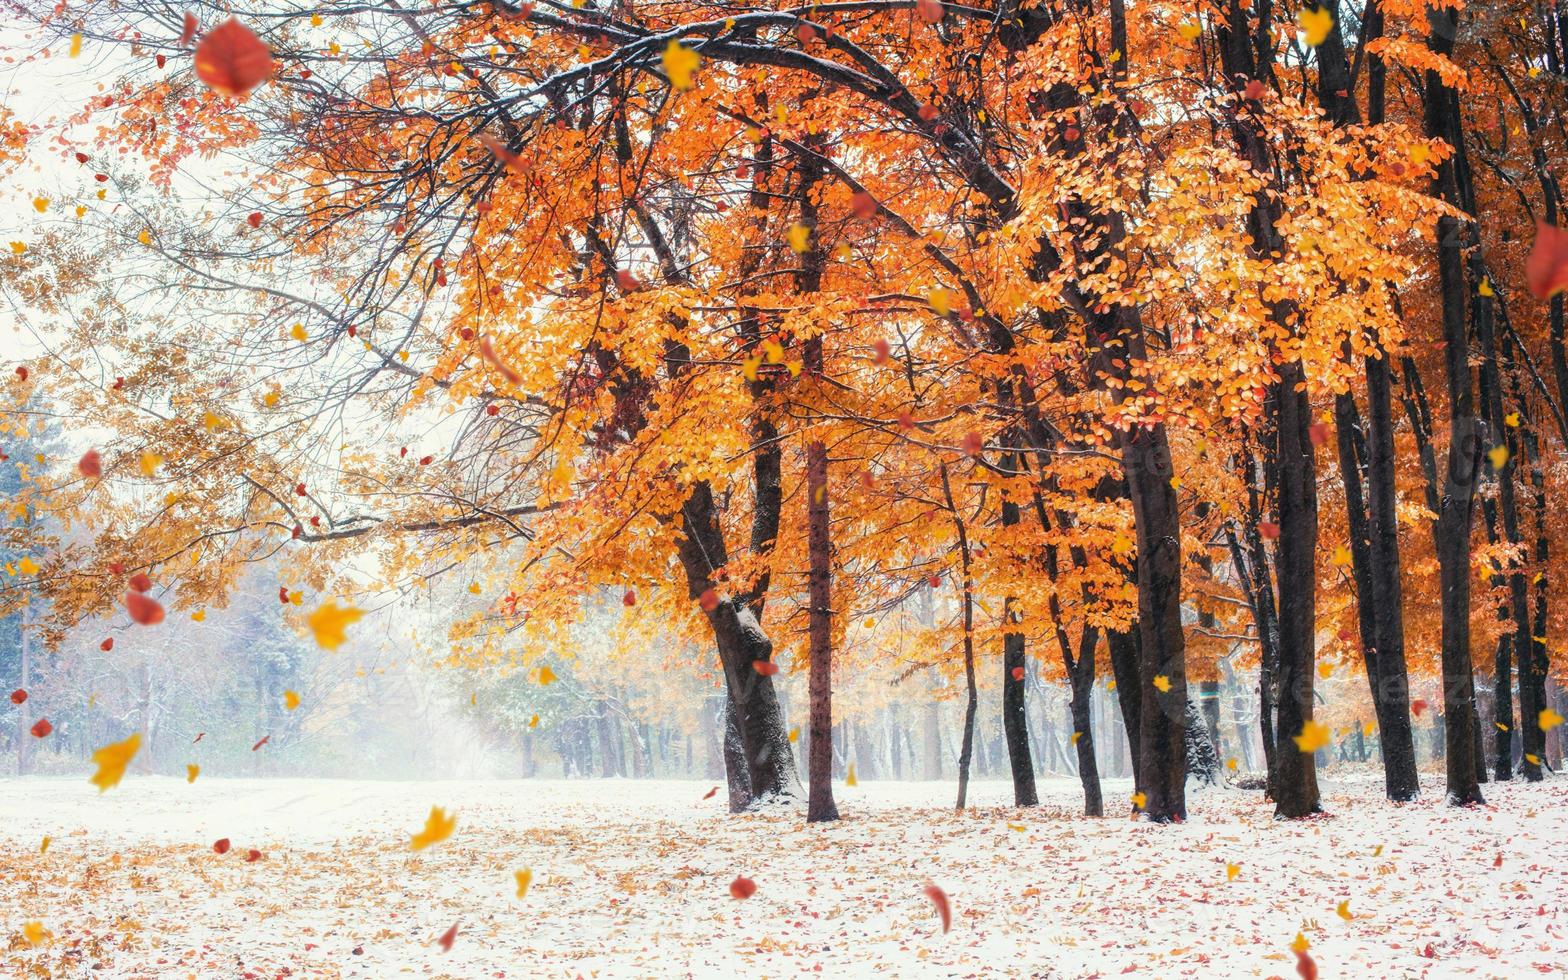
[1315, 24]
[76, 46]
[1306, 967]
[263, 741]
[546, 675]
[112, 760]
[18, 696]
[533, 722]
[710, 793]
[1546, 268]
[742, 887]
[221, 845]
[35, 933]
[150, 463]
[524, 878]
[438, 827]
[1139, 798]
[40, 204]
[90, 465]
[42, 728]
[1343, 910]
[143, 609]
[1548, 719]
[232, 60]
[192, 770]
[298, 333]
[1499, 456]
[766, 668]
[1189, 30]
[794, 734]
[1314, 735]
[487, 351]
[679, 63]
[799, 238]
[330, 622]
[1341, 556]
[290, 700]
[1417, 706]
[938, 898]
[43, 848]
[447, 938]
[709, 600]
[188, 31]
[27, 566]
[1162, 683]
[941, 301]
[1231, 871]
[849, 776]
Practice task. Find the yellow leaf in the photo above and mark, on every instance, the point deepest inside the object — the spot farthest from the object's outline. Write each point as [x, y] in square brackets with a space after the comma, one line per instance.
[774, 351]
[1532, 758]
[298, 333]
[1139, 799]
[1325, 670]
[1175, 483]
[1499, 456]
[1231, 764]
[315, 20]
[213, 422]
[1377, 851]
[270, 399]
[41, 204]
[679, 63]
[750, 366]
[524, 877]
[1189, 30]
[1420, 153]
[192, 770]
[794, 734]
[44, 847]
[27, 567]
[1074, 737]
[81, 210]
[438, 827]
[473, 587]
[145, 237]
[1316, 24]
[111, 761]
[18, 247]
[330, 621]
[1231, 871]
[1485, 289]
[1017, 826]
[1511, 420]
[1500, 726]
[1548, 719]
[1121, 545]
[1343, 910]
[941, 301]
[1162, 684]
[849, 777]
[794, 368]
[1368, 729]
[150, 463]
[297, 598]
[799, 237]
[533, 722]
[199, 616]
[76, 45]
[1341, 556]
[34, 933]
[546, 675]
[1110, 685]
[291, 700]
[1314, 735]
[1300, 944]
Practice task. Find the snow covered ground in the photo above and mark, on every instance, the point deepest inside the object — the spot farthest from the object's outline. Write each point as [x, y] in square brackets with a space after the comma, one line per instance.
[631, 879]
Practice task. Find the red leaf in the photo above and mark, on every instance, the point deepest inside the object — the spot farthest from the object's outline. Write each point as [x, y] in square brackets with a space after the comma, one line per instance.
[232, 60]
[1018, 673]
[1255, 89]
[1305, 965]
[710, 793]
[938, 898]
[426, 460]
[190, 29]
[883, 350]
[107, 645]
[221, 845]
[283, 595]
[972, 443]
[766, 668]
[863, 206]
[21, 373]
[82, 157]
[254, 220]
[199, 737]
[492, 410]
[264, 740]
[630, 598]
[160, 60]
[929, 11]
[299, 489]
[42, 728]
[928, 112]
[742, 887]
[140, 582]
[445, 942]
[90, 464]
[1546, 268]
[498, 149]
[142, 609]
[627, 282]
[1417, 706]
[709, 600]
[1318, 433]
[252, 855]
[116, 568]
[934, 581]
[18, 696]
[1268, 529]
[487, 351]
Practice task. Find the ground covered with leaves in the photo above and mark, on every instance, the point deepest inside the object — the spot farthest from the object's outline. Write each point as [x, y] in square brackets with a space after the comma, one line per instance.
[632, 878]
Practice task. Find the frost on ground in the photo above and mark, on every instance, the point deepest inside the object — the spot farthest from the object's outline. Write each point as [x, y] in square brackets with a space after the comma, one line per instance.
[631, 879]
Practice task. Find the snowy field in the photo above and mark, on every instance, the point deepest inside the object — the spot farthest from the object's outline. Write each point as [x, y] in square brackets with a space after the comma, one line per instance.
[630, 879]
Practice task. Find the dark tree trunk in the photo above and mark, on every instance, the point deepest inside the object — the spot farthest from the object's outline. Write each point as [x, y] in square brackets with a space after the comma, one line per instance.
[1123, 647]
[1081, 677]
[1014, 723]
[1466, 434]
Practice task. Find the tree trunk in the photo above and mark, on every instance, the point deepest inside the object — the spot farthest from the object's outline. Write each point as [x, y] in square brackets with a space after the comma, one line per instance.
[1081, 678]
[1014, 722]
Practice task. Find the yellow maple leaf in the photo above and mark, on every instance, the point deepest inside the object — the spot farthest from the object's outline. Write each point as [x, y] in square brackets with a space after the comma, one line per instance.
[1343, 910]
[1485, 289]
[1341, 556]
[1316, 25]
[35, 933]
[525, 878]
[111, 761]
[27, 566]
[1314, 735]
[679, 63]
[1548, 719]
[774, 351]
[330, 622]
[40, 204]
[1532, 758]
[1231, 764]
[1139, 798]
[76, 45]
[799, 238]
[18, 248]
[1368, 729]
[1162, 684]
[546, 675]
[1325, 669]
[794, 734]
[849, 777]
[750, 366]
[941, 301]
[533, 722]
[291, 700]
[150, 463]
[1121, 545]
[438, 827]
[315, 20]
[298, 333]
[1300, 943]
[1499, 456]
[1189, 30]
[1074, 737]
[1231, 871]
[192, 770]
[44, 847]
[270, 399]
[1511, 420]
